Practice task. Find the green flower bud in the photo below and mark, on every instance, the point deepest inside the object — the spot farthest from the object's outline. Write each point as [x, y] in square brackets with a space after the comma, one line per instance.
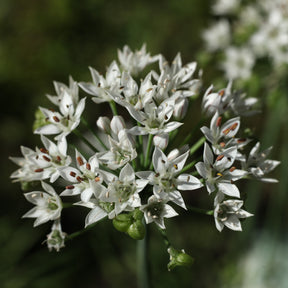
[136, 230]
[178, 258]
[137, 214]
[122, 222]
[40, 120]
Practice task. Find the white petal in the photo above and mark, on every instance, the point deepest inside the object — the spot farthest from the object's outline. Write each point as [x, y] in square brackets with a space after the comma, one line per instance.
[229, 189]
[95, 215]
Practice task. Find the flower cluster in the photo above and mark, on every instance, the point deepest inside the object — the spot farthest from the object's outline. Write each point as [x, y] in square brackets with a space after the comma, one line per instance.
[248, 32]
[127, 168]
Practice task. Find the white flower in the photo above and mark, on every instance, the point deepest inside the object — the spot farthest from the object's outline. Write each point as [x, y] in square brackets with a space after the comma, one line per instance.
[56, 238]
[82, 180]
[258, 165]
[154, 119]
[222, 7]
[167, 180]
[102, 85]
[156, 210]
[135, 62]
[123, 191]
[48, 205]
[131, 94]
[217, 36]
[43, 163]
[228, 100]
[62, 122]
[98, 208]
[220, 174]
[60, 88]
[238, 62]
[228, 213]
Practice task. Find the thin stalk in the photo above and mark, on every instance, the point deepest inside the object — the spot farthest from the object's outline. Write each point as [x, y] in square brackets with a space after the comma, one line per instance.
[197, 145]
[113, 108]
[80, 232]
[94, 133]
[188, 166]
[142, 262]
[91, 146]
[148, 148]
[201, 211]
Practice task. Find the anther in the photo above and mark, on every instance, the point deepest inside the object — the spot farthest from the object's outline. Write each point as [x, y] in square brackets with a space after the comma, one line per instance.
[219, 174]
[88, 166]
[73, 174]
[232, 169]
[80, 161]
[221, 92]
[43, 150]
[79, 179]
[220, 157]
[241, 140]
[56, 119]
[46, 158]
[222, 144]
[97, 179]
[39, 170]
[58, 158]
[175, 166]
[218, 122]
[70, 187]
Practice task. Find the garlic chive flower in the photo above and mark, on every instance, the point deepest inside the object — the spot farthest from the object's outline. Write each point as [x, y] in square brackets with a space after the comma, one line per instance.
[56, 238]
[124, 190]
[219, 173]
[167, 178]
[63, 122]
[44, 163]
[156, 210]
[48, 205]
[228, 214]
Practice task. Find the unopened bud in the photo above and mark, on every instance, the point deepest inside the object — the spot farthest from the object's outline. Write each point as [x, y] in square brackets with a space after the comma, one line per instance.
[178, 258]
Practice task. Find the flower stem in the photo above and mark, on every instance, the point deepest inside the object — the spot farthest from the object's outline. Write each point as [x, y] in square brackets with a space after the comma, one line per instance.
[78, 134]
[142, 259]
[148, 148]
[201, 211]
[197, 145]
[113, 108]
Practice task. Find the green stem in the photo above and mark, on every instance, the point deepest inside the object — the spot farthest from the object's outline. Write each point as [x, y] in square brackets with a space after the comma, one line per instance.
[197, 145]
[142, 262]
[165, 237]
[94, 133]
[188, 166]
[113, 108]
[201, 211]
[80, 232]
[148, 148]
[78, 134]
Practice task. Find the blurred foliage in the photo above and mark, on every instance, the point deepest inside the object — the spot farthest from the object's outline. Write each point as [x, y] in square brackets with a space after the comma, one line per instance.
[48, 40]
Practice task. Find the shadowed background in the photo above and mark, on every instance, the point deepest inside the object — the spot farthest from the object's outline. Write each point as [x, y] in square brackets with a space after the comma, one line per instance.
[42, 41]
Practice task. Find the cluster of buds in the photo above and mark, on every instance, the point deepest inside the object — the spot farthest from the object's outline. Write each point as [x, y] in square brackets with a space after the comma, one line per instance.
[126, 168]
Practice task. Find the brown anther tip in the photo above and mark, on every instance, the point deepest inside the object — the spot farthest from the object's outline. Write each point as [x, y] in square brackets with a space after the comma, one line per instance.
[88, 166]
[58, 158]
[99, 85]
[222, 144]
[221, 92]
[220, 157]
[150, 89]
[56, 119]
[97, 179]
[234, 126]
[43, 150]
[232, 169]
[80, 161]
[70, 187]
[79, 179]
[175, 166]
[72, 173]
[39, 170]
[241, 140]
[218, 122]
[46, 158]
